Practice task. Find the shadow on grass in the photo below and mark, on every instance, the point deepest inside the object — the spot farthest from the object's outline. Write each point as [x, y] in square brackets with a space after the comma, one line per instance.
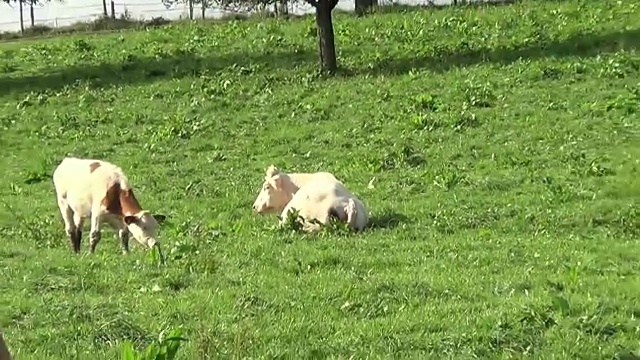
[148, 70]
[387, 220]
[585, 45]
[433, 5]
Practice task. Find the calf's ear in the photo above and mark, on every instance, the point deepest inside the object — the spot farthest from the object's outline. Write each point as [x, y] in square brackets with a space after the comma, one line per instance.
[130, 219]
[159, 218]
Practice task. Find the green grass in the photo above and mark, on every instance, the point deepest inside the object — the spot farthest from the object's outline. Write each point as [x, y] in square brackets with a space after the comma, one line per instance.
[504, 142]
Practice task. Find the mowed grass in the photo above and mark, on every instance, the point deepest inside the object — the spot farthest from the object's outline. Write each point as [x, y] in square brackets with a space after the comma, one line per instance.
[504, 143]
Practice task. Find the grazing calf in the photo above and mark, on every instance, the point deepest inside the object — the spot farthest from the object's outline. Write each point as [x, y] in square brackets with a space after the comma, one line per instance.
[100, 190]
[317, 196]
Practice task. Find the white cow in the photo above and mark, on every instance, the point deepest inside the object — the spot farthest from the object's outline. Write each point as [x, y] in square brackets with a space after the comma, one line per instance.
[316, 196]
[100, 190]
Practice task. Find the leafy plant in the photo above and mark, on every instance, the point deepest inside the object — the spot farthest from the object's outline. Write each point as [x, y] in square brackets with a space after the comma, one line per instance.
[164, 348]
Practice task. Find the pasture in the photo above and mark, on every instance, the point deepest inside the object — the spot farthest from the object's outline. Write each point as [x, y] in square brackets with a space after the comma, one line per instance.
[504, 143]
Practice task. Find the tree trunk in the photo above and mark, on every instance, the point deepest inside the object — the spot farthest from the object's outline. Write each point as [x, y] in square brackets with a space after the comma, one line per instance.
[21, 18]
[363, 5]
[326, 42]
[33, 18]
[190, 9]
[203, 8]
[104, 8]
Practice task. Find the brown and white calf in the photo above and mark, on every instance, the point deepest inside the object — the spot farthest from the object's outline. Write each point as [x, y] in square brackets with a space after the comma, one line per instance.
[99, 190]
[316, 196]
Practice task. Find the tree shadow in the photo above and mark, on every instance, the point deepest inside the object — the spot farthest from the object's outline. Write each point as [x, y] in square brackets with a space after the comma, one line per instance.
[432, 5]
[396, 7]
[387, 219]
[585, 45]
[140, 70]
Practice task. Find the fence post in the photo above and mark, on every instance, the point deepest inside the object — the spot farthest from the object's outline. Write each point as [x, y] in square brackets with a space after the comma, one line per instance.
[113, 10]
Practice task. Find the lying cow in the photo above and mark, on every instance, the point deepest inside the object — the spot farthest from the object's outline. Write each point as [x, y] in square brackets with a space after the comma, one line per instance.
[316, 196]
[100, 190]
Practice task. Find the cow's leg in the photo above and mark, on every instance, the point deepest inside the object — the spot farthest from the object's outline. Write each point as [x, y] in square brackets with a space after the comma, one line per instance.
[306, 210]
[296, 202]
[95, 234]
[285, 213]
[78, 222]
[317, 215]
[123, 233]
[69, 224]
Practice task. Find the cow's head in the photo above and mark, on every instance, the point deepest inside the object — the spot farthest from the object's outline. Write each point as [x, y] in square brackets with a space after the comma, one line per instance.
[275, 193]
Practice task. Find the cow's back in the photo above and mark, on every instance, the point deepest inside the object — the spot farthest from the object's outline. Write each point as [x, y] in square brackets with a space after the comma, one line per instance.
[70, 173]
[82, 181]
[302, 179]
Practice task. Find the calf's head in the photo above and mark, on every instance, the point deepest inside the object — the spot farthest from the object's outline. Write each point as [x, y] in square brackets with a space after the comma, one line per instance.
[275, 194]
[144, 227]
[141, 224]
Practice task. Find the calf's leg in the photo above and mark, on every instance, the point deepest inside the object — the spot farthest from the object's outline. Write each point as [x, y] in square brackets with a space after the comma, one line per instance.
[78, 221]
[72, 231]
[95, 236]
[123, 231]
[123, 234]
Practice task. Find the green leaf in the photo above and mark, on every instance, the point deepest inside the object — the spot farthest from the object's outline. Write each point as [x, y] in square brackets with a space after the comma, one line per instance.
[152, 352]
[172, 348]
[128, 353]
[173, 343]
[166, 346]
[153, 255]
[561, 304]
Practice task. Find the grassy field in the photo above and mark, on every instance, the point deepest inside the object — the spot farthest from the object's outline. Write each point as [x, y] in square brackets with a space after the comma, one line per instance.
[504, 143]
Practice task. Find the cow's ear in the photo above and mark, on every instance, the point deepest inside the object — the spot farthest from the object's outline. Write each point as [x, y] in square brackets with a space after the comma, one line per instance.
[159, 218]
[130, 219]
[276, 182]
[272, 170]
